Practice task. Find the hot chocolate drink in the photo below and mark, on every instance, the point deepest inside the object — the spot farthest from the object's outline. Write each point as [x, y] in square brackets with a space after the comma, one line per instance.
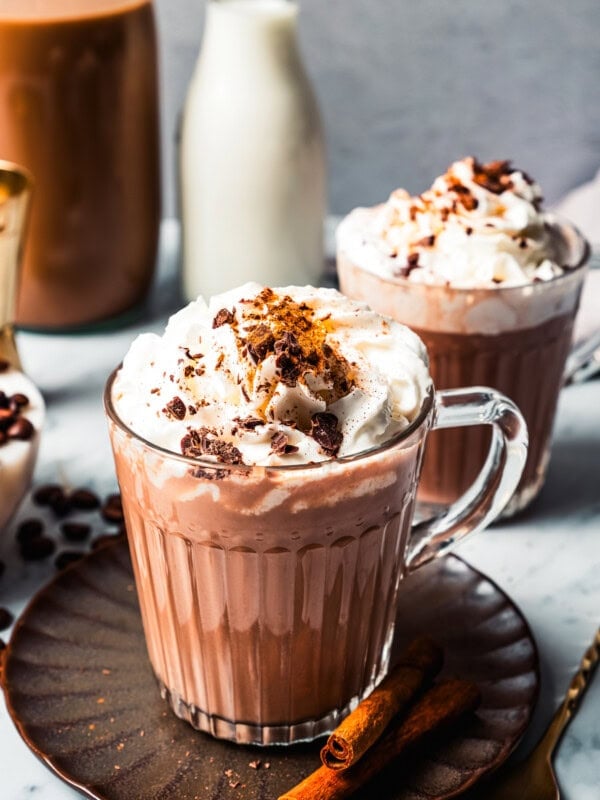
[79, 109]
[268, 448]
[491, 284]
[266, 565]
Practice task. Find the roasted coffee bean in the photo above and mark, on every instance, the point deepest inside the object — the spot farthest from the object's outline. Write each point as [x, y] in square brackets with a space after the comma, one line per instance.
[4, 401]
[21, 429]
[112, 510]
[19, 400]
[60, 504]
[30, 529]
[37, 549]
[6, 619]
[75, 531]
[67, 557]
[7, 418]
[84, 500]
[44, 494]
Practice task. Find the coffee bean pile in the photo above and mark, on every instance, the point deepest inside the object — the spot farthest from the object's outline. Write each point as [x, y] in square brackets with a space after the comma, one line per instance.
[33, 541]
[12, 424]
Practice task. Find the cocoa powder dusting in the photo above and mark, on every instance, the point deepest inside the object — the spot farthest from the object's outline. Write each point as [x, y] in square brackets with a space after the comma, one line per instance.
[291, 332]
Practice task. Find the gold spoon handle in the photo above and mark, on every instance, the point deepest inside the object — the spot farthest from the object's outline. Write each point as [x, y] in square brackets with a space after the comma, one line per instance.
[577, 688]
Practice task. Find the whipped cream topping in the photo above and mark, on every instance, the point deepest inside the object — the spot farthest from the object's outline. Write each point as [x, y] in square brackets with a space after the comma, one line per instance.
[261, 376]
[479, 226]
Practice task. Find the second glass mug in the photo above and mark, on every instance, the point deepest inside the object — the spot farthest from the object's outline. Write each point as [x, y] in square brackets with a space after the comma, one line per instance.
[516, 339]
[269, 594]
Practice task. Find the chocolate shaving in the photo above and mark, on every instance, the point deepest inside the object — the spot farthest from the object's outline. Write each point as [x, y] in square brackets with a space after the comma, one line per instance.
[325, 432]
[175, 408]
[223, 317]
[426, 241]
[289, 358]
[469, 202]
[260, 342]
[249, 423]
[204, 442]
[280, 446]
[493, 176]
[412, 262]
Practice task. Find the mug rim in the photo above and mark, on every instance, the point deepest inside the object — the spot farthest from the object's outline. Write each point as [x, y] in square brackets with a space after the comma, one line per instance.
[425, 413]
[556, 220]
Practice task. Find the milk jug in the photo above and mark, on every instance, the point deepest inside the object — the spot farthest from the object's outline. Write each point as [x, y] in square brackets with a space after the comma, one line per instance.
[252, 154]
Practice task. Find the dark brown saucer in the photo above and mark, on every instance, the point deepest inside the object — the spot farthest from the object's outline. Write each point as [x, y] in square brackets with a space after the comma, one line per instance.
[81, 692]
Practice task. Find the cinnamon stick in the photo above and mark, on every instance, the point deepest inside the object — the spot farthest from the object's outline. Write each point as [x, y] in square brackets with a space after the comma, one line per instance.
[418, 664]
[439, 708]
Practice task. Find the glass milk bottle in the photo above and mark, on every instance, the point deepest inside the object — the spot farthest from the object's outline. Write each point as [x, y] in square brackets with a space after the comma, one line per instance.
[252, 154]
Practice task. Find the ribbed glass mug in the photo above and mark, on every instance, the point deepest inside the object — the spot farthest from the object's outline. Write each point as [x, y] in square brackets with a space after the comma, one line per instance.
[269, 594]
[514, 338]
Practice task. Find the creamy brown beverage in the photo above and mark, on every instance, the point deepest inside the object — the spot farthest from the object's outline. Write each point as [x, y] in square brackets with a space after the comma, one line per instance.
[268, 448]
[268, 568]
[492, 285]
[79, 109]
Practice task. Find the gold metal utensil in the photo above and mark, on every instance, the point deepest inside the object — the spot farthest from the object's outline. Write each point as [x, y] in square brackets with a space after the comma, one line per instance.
[534, 779]
[15, 194]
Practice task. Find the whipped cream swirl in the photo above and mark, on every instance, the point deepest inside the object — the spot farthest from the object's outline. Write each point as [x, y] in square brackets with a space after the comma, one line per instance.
[479, 226]
[261, 376]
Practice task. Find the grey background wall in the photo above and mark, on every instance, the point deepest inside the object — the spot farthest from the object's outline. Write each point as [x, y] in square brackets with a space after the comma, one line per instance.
[406, 86]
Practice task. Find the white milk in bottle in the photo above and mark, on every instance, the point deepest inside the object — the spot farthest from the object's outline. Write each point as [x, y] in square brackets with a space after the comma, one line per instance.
[252, 154]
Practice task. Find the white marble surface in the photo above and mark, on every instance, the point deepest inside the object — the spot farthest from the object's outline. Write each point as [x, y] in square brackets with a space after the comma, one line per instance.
[548, 560]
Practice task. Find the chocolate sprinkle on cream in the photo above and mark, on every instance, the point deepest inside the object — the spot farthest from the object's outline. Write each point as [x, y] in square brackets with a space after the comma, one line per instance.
[260, 343]
[249, 423]
[324, 430]
[298, 339]
[223, 317]
[279, 445]
[175, 408]
[493, 176]
[204, 442]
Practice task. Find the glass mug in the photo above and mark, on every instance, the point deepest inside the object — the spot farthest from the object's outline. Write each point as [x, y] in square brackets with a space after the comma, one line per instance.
[269, 594]
[515, 339]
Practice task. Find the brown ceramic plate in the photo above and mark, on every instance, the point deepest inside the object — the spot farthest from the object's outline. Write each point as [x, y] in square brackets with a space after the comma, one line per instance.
[81, 693]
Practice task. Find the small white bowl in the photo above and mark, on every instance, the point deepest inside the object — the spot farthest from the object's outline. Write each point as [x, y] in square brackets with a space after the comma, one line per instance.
[17, 457]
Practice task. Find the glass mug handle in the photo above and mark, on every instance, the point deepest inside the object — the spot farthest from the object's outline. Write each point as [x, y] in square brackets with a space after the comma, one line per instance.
[495, 484]
[584, 360]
